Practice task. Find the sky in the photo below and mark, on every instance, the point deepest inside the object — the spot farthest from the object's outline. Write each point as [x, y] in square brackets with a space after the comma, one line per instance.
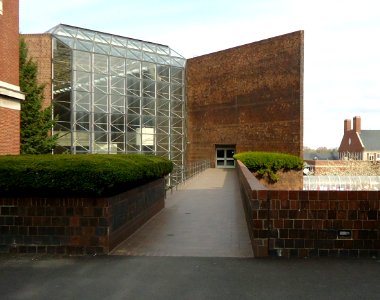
[341, 46]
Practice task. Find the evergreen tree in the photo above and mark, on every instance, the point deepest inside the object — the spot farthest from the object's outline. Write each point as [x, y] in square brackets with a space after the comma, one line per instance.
[36, 123]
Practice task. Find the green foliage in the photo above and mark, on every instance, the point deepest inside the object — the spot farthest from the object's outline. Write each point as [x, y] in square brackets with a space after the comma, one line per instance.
[266, 164]
[78, 175]
[36, 123]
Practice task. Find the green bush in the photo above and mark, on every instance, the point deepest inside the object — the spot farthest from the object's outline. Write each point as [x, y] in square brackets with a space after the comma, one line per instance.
[78, 175]
[266, 164]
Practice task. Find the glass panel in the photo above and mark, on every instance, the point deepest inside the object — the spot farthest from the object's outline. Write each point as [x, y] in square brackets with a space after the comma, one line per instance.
[162, 90]
[117, 143]
[118, 123]
[163, 50]
[134, 44]
[230, 163]
[117, 104]
[133, 87]
[133, 105]
[82, 81]
[102, 49]
[133, 54]
[148, 106]
[82, 121]
[176, 92]
[133, 122]
[62, 110]
[148, 121]
[230, 153]
[133, 68]
[82, 101]
[117, 85]
[82, 61]
[117, 51]
[163, 73]
[100, 122]
[176, 75]
[177, 109]
[220, 153]
[149, 71]
[117, 66]
[163, 107]
[220, 162]
[100, 63]
[149, 88]
[84, 45]
[149, 47]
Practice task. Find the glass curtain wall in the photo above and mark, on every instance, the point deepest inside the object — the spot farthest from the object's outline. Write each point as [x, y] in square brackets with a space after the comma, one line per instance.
[117, 95]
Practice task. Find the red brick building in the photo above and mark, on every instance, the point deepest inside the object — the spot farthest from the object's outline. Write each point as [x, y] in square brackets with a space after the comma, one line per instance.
[359, 144]
[248, 98]
[10, 95]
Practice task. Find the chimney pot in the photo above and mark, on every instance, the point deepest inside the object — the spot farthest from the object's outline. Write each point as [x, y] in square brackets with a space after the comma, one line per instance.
[357, 124]
[347, 125]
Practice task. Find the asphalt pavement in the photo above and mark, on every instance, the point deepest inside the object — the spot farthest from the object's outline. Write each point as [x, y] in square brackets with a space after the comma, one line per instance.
[123, 277]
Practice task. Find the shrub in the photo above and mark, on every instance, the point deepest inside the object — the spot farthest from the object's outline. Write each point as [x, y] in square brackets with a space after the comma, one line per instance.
[78, 175]
[266, 164]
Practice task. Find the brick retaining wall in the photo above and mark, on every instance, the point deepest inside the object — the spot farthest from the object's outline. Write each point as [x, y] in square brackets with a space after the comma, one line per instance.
[76, 225]
[309, 223]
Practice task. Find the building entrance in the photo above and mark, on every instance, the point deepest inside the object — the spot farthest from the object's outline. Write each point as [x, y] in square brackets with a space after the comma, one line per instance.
[224, 157]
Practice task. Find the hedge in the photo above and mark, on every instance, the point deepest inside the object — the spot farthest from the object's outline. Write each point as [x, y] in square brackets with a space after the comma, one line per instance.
[78, 175]
[268, 163]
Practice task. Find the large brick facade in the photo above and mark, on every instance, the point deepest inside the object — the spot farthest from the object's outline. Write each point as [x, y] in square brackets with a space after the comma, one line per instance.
[10, 95]
[249, 96]
[9, 42]
[40, 51]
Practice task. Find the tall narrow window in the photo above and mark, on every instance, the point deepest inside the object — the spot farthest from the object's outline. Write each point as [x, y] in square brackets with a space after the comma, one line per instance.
[1, 7]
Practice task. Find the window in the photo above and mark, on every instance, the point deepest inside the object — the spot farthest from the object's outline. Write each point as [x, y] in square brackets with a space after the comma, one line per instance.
[1, 7]
[378, 156]
[371, 156]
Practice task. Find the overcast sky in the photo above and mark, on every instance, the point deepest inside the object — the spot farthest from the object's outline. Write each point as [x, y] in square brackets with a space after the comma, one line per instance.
[342, 43]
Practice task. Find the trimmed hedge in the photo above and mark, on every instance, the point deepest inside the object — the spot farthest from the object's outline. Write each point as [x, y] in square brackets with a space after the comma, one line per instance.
[78, 175]
[266, 164]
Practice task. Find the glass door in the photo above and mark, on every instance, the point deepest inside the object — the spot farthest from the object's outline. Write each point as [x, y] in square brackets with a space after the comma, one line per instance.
[224, 157]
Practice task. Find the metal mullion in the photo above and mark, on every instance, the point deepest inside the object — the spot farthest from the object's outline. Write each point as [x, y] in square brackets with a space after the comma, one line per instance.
[92, 107]
[141, 100]
[72, 114]
[109, 111]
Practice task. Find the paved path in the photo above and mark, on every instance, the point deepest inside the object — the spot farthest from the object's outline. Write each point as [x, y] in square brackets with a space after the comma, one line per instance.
[203, 218]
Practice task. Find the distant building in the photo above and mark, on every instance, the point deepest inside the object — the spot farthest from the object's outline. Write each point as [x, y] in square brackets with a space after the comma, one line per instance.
[10, 95]
[358, 144]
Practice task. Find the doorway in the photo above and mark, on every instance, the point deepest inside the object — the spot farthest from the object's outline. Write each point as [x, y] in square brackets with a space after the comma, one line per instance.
[225, 157]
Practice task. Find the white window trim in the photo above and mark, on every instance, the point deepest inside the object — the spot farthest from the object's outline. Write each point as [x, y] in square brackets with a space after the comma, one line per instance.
[1, 7]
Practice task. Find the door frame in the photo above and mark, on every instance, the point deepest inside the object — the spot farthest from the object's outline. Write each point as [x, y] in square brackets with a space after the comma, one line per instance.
[227, 158]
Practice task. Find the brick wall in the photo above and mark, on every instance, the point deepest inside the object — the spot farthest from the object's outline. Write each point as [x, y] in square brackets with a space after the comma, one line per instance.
[309, 223]
[9, 131]
[9, 42]
[76, 225]
[249, 96]
[40, 50]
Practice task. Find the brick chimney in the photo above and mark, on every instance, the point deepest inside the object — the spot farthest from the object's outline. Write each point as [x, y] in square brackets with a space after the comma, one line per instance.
[357, 124]
[347, 125]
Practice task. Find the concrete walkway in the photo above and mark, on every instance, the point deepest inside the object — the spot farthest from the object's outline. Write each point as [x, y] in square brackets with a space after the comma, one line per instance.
[203, 218]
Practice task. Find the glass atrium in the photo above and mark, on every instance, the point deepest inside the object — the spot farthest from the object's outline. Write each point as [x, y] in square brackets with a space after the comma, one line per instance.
[117, 95]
